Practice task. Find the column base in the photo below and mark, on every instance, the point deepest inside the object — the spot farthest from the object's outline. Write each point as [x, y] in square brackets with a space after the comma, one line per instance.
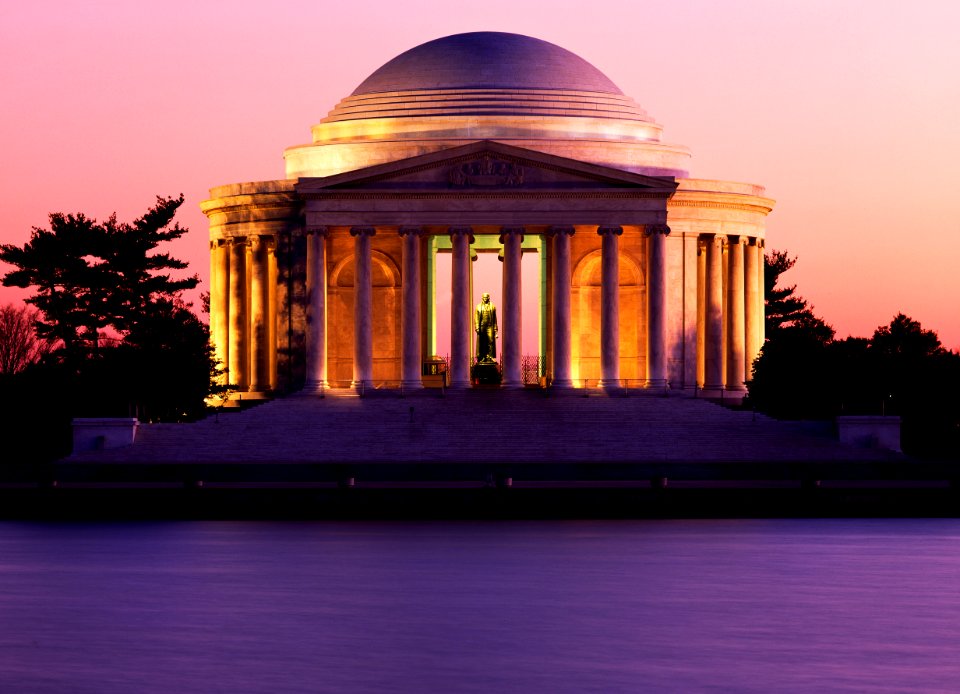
[721, 393]
[656, 383]
[315, 387]
[361, 386]
[565, 384]
[411, 385]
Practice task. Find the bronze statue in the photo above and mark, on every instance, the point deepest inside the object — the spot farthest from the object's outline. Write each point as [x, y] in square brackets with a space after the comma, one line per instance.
[486, 327]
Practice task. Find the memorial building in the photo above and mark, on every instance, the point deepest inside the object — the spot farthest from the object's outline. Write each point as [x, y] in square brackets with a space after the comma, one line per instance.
[500, 143]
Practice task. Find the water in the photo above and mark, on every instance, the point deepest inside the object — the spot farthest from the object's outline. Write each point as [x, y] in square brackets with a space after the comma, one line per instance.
[761, 606]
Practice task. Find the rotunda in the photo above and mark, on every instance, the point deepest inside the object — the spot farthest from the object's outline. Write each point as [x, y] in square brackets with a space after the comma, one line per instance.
[492, 142]
[487, 86]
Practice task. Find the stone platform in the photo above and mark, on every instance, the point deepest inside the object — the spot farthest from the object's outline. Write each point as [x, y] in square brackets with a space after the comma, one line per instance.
[486, 426]
[487, 452]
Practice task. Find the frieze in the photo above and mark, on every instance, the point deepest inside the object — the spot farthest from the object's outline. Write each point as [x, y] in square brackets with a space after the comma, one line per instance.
[746, 207]
[516, 195]
[486, 171]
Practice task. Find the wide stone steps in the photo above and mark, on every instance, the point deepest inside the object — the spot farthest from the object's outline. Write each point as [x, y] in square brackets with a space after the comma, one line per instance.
[484, 426]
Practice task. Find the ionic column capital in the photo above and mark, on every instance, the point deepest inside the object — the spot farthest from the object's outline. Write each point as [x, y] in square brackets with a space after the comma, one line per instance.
[651, 229]
[461, 231]
[363, 231]
[513, 230]
[319, 230]
[558, 230]
[734, 240]
[410, 230]
[607, 230]
[237, 241]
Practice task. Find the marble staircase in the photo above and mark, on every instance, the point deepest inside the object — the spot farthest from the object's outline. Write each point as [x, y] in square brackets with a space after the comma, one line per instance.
[485, 426]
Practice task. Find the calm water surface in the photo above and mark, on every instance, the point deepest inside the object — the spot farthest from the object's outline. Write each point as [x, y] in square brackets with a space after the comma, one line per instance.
[759, 606]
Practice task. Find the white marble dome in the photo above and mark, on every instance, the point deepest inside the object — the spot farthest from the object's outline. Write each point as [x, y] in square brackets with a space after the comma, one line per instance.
[486, 86]
[487, 60]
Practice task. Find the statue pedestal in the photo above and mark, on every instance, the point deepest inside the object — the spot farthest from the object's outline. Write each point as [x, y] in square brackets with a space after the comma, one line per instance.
[485, 373]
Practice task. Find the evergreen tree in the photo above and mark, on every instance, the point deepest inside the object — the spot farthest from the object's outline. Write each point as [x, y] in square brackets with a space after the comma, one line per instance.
[784, 308]
[65, 267]
[93, 281]
[89, 276]
[787, 378]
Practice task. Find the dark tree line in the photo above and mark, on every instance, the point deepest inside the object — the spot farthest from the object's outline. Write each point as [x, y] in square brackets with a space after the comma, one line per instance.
[804, 372]
[120, 339]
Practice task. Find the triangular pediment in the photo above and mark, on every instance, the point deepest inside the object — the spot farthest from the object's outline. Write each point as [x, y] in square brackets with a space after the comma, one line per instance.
[486, 166]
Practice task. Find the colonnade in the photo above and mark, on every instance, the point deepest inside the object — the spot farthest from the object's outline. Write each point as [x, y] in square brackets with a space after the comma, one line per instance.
[461, 329]
[733, 308]
[243, 310]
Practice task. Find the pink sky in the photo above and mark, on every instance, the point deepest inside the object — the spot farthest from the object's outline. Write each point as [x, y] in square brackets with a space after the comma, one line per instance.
[847, 111]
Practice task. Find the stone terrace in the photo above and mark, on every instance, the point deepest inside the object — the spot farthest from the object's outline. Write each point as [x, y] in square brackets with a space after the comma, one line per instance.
[486, 426]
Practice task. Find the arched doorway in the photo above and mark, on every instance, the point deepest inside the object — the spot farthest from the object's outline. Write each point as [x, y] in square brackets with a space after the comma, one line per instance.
[585, 318]
[386, 321]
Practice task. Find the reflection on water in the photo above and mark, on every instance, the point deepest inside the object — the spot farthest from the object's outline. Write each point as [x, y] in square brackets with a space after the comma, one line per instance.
[479, 607]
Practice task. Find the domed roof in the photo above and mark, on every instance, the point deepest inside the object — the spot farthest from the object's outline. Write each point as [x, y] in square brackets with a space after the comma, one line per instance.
[486, 86]
[487, 60]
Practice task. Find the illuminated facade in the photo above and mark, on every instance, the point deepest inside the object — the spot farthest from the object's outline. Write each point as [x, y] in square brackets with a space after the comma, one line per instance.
[499, 142]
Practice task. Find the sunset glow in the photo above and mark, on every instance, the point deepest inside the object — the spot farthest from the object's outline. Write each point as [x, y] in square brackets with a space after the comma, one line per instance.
[845, 111]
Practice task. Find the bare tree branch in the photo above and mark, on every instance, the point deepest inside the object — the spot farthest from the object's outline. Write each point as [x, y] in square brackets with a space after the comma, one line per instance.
[19, 345]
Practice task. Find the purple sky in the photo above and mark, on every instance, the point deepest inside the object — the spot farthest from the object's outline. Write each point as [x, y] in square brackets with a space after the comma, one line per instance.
[848, 112]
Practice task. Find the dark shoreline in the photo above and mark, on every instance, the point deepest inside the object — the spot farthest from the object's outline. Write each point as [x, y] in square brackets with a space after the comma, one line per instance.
[905, 488]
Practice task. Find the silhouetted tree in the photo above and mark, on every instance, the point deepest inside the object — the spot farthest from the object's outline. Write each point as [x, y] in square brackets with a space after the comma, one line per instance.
[94, 281]
[19, 345]
[89, 276]
[901, 370]
[786, 376]
[162, 371]
[791, 372]
[918, 379]
[784, 308]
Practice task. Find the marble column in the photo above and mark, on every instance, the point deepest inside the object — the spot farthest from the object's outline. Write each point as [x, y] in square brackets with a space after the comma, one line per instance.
[272, 273]
[656, 305]
[713, 323]
[761, 292]
[316, 309]
[362, 308]
[259, 318]
[411, 355]
[562, 327]
[736, 353]
[460, 310]
[237, 373]
[512, 240]
[610, 306]
[219, 302]
[752, 305]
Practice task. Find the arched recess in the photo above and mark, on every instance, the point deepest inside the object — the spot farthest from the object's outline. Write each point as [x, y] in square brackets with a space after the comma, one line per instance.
[386, 320]
[585, 312]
